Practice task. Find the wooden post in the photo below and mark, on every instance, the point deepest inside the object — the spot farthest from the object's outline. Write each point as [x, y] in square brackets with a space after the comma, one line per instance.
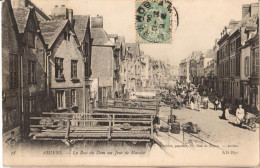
[183, 137]
[68, 129]
[170, 113]
[113, 119]
[151, 126]
[109, 129]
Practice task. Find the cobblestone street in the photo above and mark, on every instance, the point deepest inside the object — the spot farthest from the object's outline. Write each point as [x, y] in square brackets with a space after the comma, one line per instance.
[222, 133]
[213, 128]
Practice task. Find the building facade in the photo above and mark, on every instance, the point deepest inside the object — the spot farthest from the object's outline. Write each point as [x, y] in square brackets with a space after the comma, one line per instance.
[11, 75]
[66, 73]
[33, 64]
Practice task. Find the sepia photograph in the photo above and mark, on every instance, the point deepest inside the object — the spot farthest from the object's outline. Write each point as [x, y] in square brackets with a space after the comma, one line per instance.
[130, 83]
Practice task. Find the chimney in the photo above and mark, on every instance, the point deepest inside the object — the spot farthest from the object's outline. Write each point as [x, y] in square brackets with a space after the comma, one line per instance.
[97, 22]
[60, 12]
[245, 10]
[19, 3]
[254, 9]
[70, 17]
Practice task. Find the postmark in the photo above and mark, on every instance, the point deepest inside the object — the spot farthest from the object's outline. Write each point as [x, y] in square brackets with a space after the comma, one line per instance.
[154, 21]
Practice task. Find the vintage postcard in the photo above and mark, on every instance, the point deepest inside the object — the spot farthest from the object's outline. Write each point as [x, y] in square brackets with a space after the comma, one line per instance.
[130, 83]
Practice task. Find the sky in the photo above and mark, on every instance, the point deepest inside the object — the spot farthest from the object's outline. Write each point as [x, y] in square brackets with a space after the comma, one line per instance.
[200, 22]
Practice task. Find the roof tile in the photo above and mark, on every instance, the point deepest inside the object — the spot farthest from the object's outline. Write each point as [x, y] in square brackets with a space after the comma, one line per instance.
[81, 22]
[51, 29]
[100, 37]
[21, 15]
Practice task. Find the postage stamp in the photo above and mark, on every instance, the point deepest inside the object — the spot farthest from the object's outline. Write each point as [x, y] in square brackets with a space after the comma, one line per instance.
[153, 21]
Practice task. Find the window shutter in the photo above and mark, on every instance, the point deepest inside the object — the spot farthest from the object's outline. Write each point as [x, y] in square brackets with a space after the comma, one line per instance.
[67, 99]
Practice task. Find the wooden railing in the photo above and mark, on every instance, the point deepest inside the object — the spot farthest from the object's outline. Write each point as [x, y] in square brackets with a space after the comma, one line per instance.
[98, 126]
[126, 104]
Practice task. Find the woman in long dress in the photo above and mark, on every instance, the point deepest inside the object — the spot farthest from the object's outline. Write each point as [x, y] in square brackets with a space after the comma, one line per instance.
[240, 113]
[192, 101]
[227, 112]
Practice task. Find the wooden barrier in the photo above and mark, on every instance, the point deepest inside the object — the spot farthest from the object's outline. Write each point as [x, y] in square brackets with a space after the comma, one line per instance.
[98, 126]
[139, 104]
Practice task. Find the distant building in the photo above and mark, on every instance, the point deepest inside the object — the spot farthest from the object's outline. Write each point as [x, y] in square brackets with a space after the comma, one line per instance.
[145, 70]
[202, 64]
[184, 73]
[194, 59]
[134, 66]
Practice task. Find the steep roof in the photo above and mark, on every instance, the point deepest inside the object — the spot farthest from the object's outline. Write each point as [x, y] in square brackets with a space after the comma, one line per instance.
[100, 37]
[247, 21]
[81, 22]
[21, 15]
[7, 5]
[38, 10]
[51, 29]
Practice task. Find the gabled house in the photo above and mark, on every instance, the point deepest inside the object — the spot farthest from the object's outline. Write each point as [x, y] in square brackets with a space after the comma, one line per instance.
[66, 73]
[33, 66]
[11, 70]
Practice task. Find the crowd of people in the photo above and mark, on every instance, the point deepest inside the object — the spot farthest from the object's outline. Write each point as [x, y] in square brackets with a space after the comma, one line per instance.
[190, 96]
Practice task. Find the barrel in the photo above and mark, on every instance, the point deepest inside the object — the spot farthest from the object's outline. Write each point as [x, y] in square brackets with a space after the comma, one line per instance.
[175, 128]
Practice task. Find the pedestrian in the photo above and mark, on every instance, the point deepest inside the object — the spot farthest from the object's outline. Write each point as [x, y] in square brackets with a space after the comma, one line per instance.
[187, 100]
[179, 101]
[204, 93]
[240, 113]
[205, 102]
[192, 101]
[156, 123]
[223, 104]
[198, 101]
[216, 103]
